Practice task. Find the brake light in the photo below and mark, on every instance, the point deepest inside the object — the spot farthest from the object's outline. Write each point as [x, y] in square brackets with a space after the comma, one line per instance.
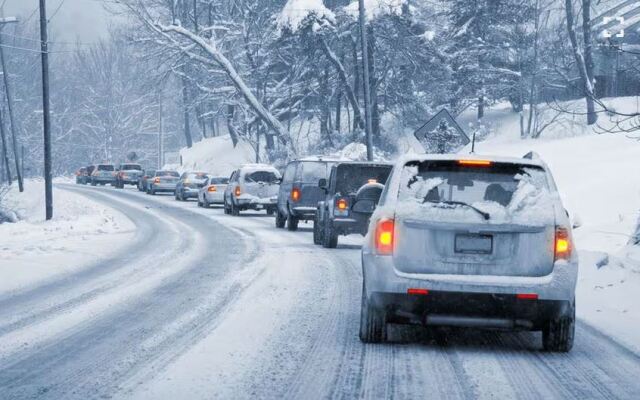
[212, 189]
[295, 194]
[422, 292]
[475, 163]
[342, 204]
[384, 236]
[372, 181]
[562, 248]
[527, 296]
[237, 191]
[156, 180]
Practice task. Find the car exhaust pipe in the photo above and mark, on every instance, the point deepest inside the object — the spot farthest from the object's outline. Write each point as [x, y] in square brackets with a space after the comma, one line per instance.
[476, 322]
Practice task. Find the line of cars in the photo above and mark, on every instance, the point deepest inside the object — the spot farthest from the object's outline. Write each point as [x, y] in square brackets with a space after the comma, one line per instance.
[450, 240]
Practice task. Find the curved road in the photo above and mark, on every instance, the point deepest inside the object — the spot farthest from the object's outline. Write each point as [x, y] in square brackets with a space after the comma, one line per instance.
[205, 305]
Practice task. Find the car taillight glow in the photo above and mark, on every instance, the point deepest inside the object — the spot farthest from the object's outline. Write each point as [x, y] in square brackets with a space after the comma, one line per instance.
[562, 246]
[527, 296]
[342, 204]
[156, 180]
[237, 191]
[212, 189]
[475, 163]
[422, 292]
[295, 194]
[384, 236]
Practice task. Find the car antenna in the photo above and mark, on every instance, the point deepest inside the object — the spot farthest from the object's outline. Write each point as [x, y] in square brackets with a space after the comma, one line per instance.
[473, 142]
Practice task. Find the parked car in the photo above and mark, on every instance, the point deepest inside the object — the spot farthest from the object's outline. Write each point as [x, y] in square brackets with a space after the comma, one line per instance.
[81, 176]
[189, 185]
[103, 174]
[162, 181]
[143, 182]
[335, 214]
[299, 192]
[128, 174]
[252, 187]
[212, 192]
[461, 241]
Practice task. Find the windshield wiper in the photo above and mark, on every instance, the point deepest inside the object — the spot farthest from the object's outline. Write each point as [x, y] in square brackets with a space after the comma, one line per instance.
[484, 214]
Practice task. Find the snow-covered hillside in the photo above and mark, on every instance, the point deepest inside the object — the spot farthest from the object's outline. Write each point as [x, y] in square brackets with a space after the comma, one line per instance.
[216, 156]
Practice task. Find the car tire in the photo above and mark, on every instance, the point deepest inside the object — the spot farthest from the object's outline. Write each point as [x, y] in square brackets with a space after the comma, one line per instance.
[270, 210]
[329, 236]
[225, 207]
[205, 202]
[152, 192]
[373, 326]
[93, 183]
[316, 230]
[292, 223]
[280, 219]
[559, 333]
[235, 211]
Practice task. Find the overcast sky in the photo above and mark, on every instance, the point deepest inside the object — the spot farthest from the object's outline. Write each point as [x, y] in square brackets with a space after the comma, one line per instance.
[83, 20]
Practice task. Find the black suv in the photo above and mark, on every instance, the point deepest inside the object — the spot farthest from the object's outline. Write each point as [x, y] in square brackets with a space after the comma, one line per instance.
[299, 192]
[347, 204]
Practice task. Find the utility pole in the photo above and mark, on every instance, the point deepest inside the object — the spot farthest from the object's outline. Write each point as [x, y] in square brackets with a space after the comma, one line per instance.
[48, 188]
[160, 133]
[367, 88]
[5, 156]
[7, 88]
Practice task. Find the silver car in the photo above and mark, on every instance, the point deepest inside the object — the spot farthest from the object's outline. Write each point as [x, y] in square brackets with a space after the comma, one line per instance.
[252, 187]
[162, 181]
[213, 191]
[462, 241]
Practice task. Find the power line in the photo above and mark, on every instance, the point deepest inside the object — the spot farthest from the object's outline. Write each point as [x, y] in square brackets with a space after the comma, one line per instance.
[56, 11]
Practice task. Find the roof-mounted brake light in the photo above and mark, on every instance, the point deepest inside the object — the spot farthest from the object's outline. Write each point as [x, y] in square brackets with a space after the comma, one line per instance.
[475, 163]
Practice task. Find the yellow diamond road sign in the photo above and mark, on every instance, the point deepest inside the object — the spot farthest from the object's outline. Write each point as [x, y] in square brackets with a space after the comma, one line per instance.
[442, 134]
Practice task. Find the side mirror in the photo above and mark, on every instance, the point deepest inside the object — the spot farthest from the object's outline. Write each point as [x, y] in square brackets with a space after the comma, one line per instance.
[367, 198]
[322, 183]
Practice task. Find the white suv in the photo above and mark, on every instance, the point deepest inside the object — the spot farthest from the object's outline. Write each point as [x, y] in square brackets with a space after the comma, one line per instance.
[462, 241]
[252, 187]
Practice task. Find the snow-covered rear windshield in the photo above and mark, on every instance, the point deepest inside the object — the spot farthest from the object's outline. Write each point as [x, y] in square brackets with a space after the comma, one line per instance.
[167, 173]
[313, 171]
[219, 181]
[261, 176]
[131, 167]
[105, 168]
[446, 181]
[197, 176]
[351, 177]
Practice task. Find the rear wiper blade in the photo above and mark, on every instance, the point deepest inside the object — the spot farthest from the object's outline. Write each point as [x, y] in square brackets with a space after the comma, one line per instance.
[484, 214]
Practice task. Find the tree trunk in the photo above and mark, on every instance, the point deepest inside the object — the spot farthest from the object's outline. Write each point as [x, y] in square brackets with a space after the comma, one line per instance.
[185, 107]
[373, 84]
[480, 107]
[232, 130]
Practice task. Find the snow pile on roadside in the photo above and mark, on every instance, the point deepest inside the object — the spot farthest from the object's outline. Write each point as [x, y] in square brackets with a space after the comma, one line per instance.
[216, 156]
[80, 232]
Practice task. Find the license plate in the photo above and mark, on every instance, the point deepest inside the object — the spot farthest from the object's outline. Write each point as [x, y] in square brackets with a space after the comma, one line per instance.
[474, 244]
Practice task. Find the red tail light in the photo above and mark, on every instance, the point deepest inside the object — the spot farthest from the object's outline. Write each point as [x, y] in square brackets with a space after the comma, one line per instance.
[527, 296]
[237, 191]
[384, 236]
[422, 292]
[342, 204]
[475, 163]
[562, 245]
[295, 194]
[212, 189]
[156, 180]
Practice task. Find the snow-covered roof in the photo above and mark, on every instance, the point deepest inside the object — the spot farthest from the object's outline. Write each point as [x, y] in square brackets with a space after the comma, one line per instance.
[321, 158]
[258, 167]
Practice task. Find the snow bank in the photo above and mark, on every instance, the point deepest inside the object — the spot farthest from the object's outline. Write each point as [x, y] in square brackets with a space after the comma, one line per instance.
[81, 232]
[216, 156]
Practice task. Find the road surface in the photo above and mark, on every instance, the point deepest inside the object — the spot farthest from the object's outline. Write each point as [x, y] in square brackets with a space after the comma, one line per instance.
[205, 305]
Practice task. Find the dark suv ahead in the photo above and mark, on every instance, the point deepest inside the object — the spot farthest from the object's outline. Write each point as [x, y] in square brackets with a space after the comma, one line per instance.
[338, 213]
[299, 192]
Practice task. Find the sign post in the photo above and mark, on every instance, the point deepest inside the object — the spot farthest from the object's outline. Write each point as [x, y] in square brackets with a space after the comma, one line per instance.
[441, 134]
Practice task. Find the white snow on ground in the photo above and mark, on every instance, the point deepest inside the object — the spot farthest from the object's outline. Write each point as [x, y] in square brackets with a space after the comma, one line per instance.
[216, 156]
[81, 232]
[598, 177]
[295, 12]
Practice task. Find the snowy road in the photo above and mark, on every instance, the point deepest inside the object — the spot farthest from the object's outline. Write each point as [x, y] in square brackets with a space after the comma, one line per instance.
[206, 305]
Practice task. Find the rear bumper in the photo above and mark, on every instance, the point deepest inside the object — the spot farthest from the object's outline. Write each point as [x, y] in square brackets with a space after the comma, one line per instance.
[215, 197]
[163, 187]
[103, 179]
[130, 181]
[381, 277]
[190, 192]
[476, 310]
[350, 225]
[256, 202]
[303, 212]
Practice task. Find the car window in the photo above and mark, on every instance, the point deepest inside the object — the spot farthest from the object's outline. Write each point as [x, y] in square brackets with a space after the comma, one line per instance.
[106, 168]
[218, 181]
[261, 176]
[351, 177]
[449, 181]
[168, 173]
[314, 171]
[234, 176]
[196, 175]
[130, 167]
[290, 172]
[150, 172]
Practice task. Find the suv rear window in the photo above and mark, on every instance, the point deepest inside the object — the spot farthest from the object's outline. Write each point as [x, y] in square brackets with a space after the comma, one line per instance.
[314, 170]
[218, 181]
[167, 173]
[261, 176]
[131, 167]
[197, 175]
[351, 177]
[105, 168]
[449, 181]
